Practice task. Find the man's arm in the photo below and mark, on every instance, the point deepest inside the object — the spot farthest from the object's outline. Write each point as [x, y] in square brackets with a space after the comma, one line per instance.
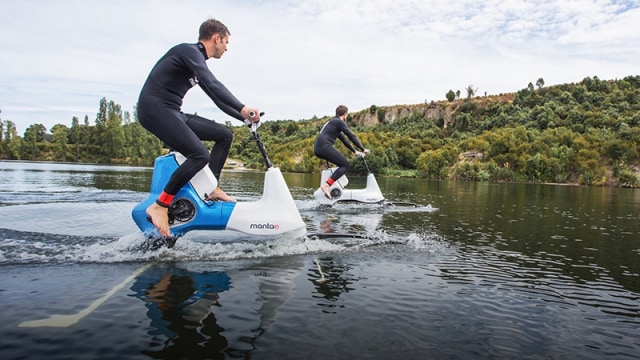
[346, 142]
[345, 129]
[221, 96]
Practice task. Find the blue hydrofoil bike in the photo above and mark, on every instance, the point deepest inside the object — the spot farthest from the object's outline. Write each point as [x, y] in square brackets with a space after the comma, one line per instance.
[274, 214]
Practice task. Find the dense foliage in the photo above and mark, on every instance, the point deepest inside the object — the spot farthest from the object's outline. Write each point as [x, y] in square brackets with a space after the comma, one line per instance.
[584, 133]
[114, 138]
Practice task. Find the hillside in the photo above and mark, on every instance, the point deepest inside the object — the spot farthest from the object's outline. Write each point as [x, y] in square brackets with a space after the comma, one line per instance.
[583, 133]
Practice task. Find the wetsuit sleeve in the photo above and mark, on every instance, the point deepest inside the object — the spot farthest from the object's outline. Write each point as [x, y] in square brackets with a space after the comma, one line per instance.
[352, 137]
[230, 111]
[219, 93]
[346, 142]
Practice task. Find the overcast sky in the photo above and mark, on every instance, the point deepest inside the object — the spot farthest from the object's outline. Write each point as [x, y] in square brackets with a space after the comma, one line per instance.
[297, 59]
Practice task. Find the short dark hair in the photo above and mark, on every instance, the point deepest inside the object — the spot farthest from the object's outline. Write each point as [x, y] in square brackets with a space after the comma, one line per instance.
[341, 110]
[211, 27]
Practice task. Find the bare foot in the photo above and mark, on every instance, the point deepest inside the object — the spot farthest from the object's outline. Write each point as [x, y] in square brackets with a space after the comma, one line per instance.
[220, 195]
[160, 218]
[327, 190]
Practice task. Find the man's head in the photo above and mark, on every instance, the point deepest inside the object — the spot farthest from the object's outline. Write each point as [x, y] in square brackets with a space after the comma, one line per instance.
[211, 27]
[215, 37]
[341, 110]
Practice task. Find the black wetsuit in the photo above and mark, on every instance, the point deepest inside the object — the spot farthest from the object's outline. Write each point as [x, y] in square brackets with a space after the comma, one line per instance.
[334, 129]
[159, 111]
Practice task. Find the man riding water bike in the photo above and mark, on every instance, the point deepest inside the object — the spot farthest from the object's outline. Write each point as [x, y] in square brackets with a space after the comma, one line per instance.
[336, 128]
[159, 111]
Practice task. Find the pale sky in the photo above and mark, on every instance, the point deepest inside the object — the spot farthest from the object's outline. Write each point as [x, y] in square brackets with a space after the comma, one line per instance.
[297, 59]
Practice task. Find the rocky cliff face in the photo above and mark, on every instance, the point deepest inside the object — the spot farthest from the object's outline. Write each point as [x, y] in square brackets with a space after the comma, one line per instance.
[435, 110]
[388, 114]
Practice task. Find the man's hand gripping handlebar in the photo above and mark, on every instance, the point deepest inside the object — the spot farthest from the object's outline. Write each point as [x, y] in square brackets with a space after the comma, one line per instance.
[253, 125]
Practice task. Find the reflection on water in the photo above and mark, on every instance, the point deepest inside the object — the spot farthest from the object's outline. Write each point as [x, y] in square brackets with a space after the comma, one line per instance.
[181, 307]
[331, 280]
[194, 314]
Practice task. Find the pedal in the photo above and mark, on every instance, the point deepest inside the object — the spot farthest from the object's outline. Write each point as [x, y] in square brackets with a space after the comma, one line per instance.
[181, 210]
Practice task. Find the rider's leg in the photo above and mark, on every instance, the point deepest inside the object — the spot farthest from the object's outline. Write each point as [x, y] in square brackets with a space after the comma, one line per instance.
[170, 127]
[209, 130]
[332, 155]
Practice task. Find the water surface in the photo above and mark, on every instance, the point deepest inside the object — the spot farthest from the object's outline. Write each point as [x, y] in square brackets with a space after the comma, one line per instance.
[478, 270]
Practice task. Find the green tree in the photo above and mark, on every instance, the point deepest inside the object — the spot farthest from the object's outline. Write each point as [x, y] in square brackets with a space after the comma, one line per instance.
[60, 133]
[435, 164]
[29, 146]
[470, 91]
[450, 95]
[291, 129]
[86, 136]
[75, 136]
[114, 138]
[98, 133]
[12, 143]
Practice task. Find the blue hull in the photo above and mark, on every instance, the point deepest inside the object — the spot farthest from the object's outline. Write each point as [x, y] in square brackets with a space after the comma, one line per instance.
[204, 215]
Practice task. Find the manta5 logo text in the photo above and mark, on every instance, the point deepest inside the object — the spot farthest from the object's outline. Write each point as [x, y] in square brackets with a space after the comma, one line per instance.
[265, 226]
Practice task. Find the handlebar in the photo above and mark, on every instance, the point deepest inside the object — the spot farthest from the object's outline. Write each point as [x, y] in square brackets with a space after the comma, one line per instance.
[253, 126]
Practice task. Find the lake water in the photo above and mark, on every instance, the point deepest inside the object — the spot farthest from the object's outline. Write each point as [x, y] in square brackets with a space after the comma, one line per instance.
[477, 271]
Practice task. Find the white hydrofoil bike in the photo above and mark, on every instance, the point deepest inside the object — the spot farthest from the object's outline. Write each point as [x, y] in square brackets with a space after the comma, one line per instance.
[370, 194]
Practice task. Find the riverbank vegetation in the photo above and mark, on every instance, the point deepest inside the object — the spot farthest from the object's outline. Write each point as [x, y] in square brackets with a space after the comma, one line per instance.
[579, 133]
